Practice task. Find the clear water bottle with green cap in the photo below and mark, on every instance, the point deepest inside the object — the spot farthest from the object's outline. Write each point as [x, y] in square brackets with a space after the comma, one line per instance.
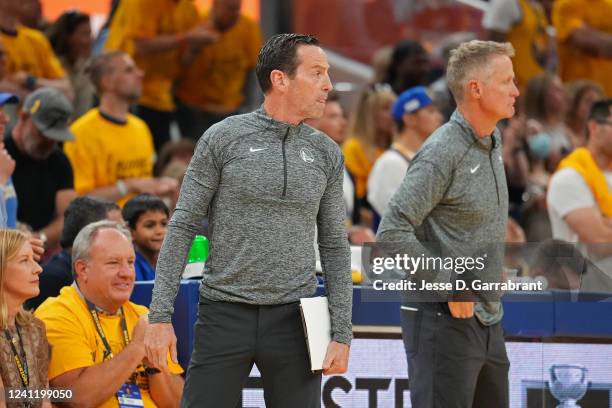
[196, 258]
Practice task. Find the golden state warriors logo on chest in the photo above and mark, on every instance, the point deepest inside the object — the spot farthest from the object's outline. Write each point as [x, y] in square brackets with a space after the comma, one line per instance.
[307, 155]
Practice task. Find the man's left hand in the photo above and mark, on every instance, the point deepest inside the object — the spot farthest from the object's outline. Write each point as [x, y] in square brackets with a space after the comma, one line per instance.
[336, 358]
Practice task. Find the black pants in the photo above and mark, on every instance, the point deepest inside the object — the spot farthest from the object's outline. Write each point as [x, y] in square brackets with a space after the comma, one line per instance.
[453, 363]
[230, 337]
[194, 122]
[158, 122]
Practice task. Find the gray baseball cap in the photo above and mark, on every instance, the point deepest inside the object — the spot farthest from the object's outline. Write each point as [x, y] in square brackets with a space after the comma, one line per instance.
[50, 111]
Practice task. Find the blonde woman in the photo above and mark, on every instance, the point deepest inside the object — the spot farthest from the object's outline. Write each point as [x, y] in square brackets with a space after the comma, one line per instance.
[24, 350]
[370, 134]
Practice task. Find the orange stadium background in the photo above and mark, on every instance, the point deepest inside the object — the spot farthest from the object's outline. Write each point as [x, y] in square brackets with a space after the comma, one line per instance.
[99, 9]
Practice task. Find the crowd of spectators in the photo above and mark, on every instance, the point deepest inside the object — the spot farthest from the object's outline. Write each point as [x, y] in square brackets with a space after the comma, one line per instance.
[88, 135]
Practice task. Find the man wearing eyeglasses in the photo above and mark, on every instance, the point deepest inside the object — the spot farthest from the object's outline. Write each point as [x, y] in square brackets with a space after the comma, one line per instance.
[580, 197]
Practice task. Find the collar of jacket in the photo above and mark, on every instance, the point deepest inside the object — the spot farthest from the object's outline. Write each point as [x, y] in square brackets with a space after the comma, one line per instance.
[487, 143]
[281, 128]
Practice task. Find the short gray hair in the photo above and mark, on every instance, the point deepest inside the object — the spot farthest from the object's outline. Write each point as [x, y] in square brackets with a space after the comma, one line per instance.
[85, 237]
[469, 57]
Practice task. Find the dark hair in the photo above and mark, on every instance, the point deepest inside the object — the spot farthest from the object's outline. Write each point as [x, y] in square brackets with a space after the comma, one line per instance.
[62, 29]
[171, 149]
[576, 91]
[401, 51]
[135, 207]
[100, 66]
[536, 94]
[280, 52]
[600, 111]
[83, 211]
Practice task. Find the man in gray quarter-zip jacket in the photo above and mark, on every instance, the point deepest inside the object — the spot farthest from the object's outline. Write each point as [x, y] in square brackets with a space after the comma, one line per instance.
[454, 195]
[265, 180]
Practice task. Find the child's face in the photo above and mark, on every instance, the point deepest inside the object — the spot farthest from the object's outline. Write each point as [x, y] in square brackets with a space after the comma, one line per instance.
[150, 230]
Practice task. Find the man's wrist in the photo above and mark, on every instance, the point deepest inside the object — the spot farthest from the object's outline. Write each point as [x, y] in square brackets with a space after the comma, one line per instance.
[344, 338]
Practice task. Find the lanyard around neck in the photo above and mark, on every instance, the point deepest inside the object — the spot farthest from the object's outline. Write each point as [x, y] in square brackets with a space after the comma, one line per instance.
[22, 365]
[108, 352]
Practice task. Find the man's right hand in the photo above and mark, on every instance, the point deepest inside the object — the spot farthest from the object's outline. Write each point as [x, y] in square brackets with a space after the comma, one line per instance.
[159, 339]
[461, 310]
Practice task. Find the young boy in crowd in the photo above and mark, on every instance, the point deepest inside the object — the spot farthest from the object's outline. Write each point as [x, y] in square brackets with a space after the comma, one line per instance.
[147, 217]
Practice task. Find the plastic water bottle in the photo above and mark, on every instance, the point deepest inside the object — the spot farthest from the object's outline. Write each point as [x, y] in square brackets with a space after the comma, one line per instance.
[196, 258]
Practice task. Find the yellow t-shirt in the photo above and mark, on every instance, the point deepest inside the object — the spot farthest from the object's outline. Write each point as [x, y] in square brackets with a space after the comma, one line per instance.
[358, 164]
[530, 42]
[136, 19]
[568, 15]
[214, 81]
[30, 51]
[104, 151]
[76, 344]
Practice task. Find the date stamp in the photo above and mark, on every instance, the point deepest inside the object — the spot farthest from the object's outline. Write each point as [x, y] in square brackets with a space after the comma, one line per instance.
[37, 394]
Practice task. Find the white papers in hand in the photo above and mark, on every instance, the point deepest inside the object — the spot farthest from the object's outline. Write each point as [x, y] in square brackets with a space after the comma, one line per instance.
[317, 328]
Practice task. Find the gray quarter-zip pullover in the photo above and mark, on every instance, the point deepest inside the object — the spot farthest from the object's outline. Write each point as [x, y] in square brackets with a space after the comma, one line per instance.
[454, 194]
[264, 186]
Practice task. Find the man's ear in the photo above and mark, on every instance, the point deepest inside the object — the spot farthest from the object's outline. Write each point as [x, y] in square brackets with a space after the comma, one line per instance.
[278, 79]
[80, 270]
[474, 89]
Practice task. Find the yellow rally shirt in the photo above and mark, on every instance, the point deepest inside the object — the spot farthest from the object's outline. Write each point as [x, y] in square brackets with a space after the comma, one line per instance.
[29, 50]
[215, 80]
[139, 19]
[568, 15]
[76, 344]
[105, 151]
[530, 42]
[358, 164]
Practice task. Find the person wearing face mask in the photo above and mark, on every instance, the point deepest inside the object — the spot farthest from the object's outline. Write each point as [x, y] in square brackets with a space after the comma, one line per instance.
[43, 176]
[534, 215]
[546, 105]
